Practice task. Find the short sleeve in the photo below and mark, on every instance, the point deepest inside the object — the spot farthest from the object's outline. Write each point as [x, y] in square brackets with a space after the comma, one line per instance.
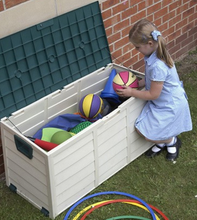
[158, 73]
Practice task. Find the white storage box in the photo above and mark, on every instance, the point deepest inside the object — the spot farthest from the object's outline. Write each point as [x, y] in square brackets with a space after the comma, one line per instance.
[54, 180]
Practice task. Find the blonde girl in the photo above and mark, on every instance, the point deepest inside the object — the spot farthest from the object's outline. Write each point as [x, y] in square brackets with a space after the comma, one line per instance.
[166, 113]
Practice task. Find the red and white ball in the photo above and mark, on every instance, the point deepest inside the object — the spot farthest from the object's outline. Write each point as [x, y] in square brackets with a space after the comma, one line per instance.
[125, 78]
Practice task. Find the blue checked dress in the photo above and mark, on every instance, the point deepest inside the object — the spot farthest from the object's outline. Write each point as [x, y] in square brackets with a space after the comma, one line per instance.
[168, 115]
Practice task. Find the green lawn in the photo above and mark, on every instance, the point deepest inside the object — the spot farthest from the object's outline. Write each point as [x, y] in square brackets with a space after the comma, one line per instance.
[171, 187]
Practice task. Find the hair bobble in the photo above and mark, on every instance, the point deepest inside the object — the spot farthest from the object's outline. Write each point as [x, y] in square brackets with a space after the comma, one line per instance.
[155, 34]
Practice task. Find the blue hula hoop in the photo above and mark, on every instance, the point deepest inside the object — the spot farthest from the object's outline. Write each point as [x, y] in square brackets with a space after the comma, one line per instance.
[108, 193]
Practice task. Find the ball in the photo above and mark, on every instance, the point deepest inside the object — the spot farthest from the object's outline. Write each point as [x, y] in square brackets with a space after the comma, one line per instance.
[125, 78]
[60, 136]
[90, 105]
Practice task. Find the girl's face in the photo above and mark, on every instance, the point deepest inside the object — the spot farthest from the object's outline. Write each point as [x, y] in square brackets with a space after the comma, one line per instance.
[146, 49]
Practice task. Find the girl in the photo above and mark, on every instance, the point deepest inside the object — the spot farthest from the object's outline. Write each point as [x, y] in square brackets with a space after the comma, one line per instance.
[166, 113]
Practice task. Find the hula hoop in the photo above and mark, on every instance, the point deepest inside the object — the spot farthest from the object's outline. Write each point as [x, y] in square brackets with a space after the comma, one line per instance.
[107, 193]
[132, 202]
[110, 202]
[128, 216]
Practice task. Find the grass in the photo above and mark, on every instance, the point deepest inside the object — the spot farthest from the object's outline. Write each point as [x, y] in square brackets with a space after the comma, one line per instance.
[171, 187]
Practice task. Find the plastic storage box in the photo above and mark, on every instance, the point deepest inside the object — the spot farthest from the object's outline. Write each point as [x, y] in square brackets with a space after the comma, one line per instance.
[54, 180]
[45, 71]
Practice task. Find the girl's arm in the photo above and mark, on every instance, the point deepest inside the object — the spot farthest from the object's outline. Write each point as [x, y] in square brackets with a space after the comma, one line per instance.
[141, 83]
[153, 93]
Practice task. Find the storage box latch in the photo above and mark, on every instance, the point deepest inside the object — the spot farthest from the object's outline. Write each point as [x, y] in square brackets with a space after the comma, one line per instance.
[23, 147]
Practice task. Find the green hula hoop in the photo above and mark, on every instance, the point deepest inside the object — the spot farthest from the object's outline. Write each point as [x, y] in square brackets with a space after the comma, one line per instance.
[128, 216]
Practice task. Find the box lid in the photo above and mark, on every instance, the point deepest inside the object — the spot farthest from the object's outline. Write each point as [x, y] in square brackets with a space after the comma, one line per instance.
[43, 58]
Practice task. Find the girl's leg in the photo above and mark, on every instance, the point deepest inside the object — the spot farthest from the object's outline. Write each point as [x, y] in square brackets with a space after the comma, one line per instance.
[173, 144]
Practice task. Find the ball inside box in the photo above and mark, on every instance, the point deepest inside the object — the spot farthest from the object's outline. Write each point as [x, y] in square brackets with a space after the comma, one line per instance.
[90, 105]
[60, 136]
[125, 78]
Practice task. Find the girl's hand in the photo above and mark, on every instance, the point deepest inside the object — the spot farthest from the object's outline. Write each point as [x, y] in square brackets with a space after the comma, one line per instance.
[141, 83]
[126, 91]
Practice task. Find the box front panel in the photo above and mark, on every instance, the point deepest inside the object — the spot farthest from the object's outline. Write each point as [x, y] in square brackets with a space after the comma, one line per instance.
[74, 169]
[29, 176]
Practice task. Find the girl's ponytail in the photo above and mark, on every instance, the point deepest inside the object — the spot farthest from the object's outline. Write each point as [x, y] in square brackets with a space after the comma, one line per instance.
[162, 52]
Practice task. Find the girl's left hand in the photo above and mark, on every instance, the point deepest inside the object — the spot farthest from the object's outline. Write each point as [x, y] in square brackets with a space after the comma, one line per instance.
[126, 91]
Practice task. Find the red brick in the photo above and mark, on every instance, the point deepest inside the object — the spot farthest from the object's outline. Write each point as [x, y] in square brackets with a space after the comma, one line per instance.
[181, 38]
[169, 16]
[160, 13]
[142, 5]
[150, 17]
[182, 8]
[168, 31]
[149, 3]
[120, 7]
[158, 22]
[125, 57]
[11, 3]
[174, 5]
[163, 26]
[166, 3]
[116, 53]
[192, 17]
[129, 12]
[174, 35]
[180, 24]
[121, 43]
[109, 3]
[127, 48]
[188, 12]
[187, 41]
[153, 8]
[121, 25]
[187, 27]
[134, 52]
[112, 21]
[106, 14]
[1, 6]
[192, 3]
[125, 31]
[137, 17]
[193, 31]
[108, 31]
[174, 20]
[132, 3]
[114, 37]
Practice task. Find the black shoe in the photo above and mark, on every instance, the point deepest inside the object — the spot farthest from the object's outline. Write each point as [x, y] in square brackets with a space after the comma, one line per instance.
[174, 156]
[149, 153]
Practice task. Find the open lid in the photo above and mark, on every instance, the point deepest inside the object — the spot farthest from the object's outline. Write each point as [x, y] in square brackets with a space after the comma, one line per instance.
[43, 58]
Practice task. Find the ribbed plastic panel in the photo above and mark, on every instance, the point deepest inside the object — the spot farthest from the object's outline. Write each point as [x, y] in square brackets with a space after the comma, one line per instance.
[43, 58]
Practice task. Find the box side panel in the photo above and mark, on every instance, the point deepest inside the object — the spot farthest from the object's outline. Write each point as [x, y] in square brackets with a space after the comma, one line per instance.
[29, 176]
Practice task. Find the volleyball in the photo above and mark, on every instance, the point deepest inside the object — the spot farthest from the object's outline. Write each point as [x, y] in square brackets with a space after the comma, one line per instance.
[90, 105]
[125, 78]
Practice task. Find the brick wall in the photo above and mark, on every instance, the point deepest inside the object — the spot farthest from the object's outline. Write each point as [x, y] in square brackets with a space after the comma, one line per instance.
[6, 4]
[176, 19]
